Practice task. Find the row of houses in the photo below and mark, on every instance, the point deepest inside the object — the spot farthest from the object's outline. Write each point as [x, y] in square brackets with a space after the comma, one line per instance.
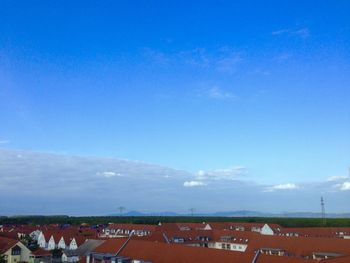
[55, 236]
[303, 247]
[58, 240]
[128, 250]
[119, 230]
[254, 239]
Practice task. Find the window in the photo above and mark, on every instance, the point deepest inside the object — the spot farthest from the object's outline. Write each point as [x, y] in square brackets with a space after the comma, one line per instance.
[16, 251]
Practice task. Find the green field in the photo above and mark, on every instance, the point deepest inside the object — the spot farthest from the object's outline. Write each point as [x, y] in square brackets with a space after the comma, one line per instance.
[93, 220]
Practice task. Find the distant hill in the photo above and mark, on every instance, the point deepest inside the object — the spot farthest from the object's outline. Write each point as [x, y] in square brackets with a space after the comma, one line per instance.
[240, 213]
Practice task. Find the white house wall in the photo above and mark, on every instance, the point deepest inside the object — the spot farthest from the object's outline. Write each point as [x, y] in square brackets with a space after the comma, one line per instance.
[61, 244]
[266, 230]
[73, 244]
[42, 241]
[51, 244]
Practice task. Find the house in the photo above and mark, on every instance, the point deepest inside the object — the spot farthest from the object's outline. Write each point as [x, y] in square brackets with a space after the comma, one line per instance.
[82, 251]
[13, 250]
[132, 250]
[40, 256]
[51, 240]
[120, 230]
[183, 226]
[263, 229]
[229, 241]
[331, 232]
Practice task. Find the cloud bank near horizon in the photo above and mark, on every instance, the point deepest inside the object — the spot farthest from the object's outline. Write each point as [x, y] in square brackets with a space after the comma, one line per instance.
[45, 183]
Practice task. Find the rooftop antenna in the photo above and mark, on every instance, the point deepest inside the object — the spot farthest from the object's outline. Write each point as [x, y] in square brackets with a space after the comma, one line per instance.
[323, 211]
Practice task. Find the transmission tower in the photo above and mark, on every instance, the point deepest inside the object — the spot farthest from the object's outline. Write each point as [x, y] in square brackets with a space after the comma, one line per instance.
[192, 211]
[121, 209]
[323, 210]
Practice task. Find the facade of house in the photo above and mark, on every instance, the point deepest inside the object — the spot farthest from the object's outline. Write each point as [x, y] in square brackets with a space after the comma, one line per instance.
[120, 230]
[82, 251]
[14, 251]
[56, 241]
[230, 243]
[266, 230]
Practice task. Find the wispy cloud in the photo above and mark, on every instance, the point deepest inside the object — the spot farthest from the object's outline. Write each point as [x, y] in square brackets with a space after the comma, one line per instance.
[198, 57]
[287, 186]
[108, 174]
[157, 56]
[230, 173]
[193, 183]
[301, 32]
[222, 60]
[337, 178]
[219, 94]
[4, 141]
[229, 62]
[280, 32]
[283, 57]
[216, 177]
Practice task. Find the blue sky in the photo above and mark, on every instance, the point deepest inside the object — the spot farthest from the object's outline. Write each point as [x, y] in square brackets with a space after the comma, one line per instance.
[201, 86]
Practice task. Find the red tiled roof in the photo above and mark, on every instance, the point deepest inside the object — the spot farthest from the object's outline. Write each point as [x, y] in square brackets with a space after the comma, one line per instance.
[300, 246]
[132, 227]
[345, 259]
[110, 245]
[246, 226]
[40, 252]
[173, 253]
[278, 259]
[68, 234]
[318, 231]
[7, 243]
[166, 253]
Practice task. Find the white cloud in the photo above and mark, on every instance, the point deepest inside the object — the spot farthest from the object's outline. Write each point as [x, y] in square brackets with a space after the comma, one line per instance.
[280, 32]
[193, 183]
[76, 177]
[301, 32]
[287, 186]
[198, 57]
[108, 174]
[337, 178]
[341, 182]
[157, 56]
[283, 56]
[228, 63]
[4, 141]
[224, 59]
[219, 94]
[345, 186]
[230, 173]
